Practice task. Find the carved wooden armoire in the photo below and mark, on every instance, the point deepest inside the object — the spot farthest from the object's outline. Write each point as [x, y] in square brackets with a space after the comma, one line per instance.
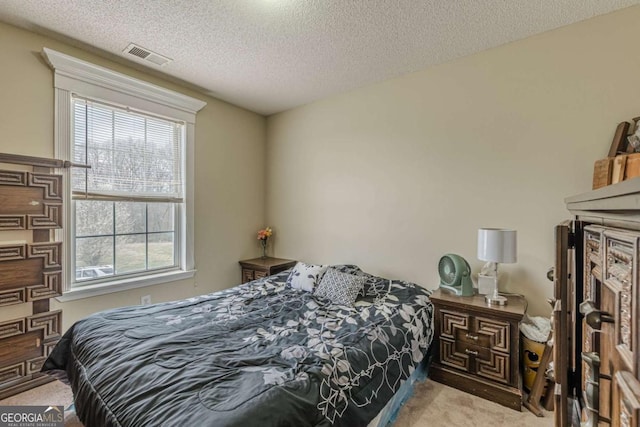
[595, 318]
[30, 269]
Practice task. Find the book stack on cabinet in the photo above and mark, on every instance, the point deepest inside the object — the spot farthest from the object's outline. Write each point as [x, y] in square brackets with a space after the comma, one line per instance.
[623, 160]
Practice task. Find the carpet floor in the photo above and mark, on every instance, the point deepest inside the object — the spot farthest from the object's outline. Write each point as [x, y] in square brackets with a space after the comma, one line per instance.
[432, 405]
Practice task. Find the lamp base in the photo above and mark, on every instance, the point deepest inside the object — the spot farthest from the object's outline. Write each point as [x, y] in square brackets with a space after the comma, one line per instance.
[495, 300]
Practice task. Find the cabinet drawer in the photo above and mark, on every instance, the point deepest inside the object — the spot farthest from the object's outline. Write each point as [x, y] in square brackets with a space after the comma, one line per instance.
[473, 338]
[469, 350]
[476, 360]
[452, 353]
[21, 347]
[475, 330]
[258, 274]
[247, 275]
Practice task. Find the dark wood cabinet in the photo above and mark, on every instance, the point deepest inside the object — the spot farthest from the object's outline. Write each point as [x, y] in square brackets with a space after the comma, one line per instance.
[596, 323]
[30, 270]
[478, 346]
[256, 268]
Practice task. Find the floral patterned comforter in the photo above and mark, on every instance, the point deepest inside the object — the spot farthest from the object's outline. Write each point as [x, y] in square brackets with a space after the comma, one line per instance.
[260, 354]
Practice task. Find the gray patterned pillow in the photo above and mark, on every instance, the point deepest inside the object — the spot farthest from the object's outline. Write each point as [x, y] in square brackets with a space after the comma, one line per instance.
[306, 276]
[341, 288]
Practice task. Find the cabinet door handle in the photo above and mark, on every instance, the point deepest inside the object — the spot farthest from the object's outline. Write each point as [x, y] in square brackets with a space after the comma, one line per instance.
[472, 337]
[594, 317]
[466, 350]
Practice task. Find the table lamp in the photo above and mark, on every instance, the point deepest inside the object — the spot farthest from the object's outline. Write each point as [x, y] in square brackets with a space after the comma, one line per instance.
[496, 245]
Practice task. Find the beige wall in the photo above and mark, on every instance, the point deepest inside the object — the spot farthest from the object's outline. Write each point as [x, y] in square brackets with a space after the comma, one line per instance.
[394, 175]
[229, 175]
[390, 176]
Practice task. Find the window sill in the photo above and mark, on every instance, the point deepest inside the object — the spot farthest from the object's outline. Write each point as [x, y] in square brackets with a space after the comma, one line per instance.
[124, 285]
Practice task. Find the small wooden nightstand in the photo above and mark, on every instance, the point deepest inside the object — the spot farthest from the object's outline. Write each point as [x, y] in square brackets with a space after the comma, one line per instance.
[477, 347]
[260, 267]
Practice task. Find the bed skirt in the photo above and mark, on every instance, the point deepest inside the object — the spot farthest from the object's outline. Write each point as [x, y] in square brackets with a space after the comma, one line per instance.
[387, 416]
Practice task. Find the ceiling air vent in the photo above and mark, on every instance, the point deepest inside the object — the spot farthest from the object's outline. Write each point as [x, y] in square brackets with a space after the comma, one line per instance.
[146, 55]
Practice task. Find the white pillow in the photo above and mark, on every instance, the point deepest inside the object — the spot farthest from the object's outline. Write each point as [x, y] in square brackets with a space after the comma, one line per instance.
[306, 276]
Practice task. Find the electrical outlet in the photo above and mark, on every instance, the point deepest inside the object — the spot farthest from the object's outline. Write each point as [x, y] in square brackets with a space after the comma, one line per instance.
[145, 300]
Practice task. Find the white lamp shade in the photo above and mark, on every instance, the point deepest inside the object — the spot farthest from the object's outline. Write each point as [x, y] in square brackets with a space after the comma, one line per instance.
[497, 245]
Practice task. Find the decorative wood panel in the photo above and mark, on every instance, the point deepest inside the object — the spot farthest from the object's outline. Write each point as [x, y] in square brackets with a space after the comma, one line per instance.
[14, 296]
[449, 355]
[9, 253]
[606, 348]
[48, 346]
[34, 365]
[592, 278]
[621, 259]
[496, 368]
[12, 373]
[592, 262]
[13, 222]
[49, 252]
[51, 184]
[450, 321]
[13, 178]
[499, 333]
[12, 327]
[50, 218]
[49, 323]
[24, 346]
[49, 288]
[627, 399]
[590, 343]
[30, 271]
[30, 200]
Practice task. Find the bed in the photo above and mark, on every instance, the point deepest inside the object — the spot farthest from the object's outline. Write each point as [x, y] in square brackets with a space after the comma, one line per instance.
[261, 353]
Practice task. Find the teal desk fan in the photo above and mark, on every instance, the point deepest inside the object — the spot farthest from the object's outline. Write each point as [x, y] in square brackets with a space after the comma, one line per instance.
[455, 275]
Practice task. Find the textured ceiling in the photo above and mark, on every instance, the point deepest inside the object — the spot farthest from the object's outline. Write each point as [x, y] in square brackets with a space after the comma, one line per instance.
[272, 55]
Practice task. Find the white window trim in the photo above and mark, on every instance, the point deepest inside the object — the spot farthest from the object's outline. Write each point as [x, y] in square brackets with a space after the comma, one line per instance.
[72, 75]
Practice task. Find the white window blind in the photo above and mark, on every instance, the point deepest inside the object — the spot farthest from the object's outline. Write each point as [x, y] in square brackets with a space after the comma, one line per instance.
[133, 156]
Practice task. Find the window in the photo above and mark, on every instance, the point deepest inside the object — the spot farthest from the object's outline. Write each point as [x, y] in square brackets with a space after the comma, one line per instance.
[126, 208]
[129, 217]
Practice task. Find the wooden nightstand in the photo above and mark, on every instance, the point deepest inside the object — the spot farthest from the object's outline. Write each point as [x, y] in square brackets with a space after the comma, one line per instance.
[260, 267]
[477, 347]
